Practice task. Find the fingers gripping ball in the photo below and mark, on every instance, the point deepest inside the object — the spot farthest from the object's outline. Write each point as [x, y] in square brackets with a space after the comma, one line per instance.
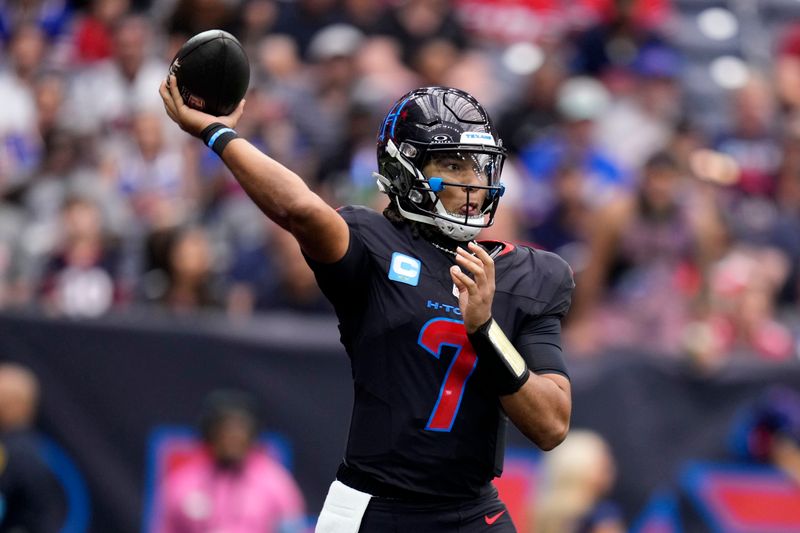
[212, 72]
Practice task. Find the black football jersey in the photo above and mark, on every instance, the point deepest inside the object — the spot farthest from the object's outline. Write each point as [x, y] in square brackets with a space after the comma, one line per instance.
[424, 417]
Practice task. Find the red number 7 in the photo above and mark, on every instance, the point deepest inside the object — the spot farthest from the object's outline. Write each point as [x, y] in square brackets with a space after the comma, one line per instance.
[435, 334]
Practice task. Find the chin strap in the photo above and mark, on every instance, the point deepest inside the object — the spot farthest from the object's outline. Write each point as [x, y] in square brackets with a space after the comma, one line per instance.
[497, 355]
[456, 231]
[383, 182]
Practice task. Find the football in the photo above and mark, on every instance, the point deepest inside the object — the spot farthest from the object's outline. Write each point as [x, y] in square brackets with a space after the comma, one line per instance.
[212, 72]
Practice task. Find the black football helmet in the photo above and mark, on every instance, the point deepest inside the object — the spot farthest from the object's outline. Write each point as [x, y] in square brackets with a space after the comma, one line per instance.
[439, 122]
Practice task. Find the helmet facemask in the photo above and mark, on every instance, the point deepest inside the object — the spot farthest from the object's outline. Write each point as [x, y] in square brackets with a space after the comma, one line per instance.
[443, 125]
[421, 190]
[463, 188]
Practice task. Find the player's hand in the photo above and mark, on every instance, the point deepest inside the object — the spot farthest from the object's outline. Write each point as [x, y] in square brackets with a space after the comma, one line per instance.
[191, 120]
[473, 276]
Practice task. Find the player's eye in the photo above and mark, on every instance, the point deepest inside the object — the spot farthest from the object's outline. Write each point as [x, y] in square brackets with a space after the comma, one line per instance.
[451, 164]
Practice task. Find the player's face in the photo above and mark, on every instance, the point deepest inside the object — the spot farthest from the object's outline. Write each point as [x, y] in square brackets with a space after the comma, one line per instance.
[462, 168]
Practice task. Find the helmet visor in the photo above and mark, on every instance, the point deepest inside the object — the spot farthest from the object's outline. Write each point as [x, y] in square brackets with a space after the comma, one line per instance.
[463, 185]
[467, 168]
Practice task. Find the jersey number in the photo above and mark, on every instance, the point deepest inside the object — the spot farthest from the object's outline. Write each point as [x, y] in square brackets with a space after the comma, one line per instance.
[436, 334]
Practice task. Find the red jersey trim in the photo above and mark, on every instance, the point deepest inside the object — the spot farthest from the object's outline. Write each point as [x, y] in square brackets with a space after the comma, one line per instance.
[507, 247]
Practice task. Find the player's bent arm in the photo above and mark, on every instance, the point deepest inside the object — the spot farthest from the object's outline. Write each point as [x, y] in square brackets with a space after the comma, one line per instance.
[286, 199]
[541, 409]
[538, 404]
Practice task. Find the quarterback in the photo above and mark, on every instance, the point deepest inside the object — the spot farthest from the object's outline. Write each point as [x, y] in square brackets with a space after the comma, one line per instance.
[448, 337]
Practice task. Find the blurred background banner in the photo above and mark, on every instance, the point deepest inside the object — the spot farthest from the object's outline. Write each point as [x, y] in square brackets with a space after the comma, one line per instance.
[109, 384]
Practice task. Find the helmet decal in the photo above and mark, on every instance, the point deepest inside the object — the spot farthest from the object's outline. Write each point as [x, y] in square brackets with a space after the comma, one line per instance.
[392, 117]
[477, 137]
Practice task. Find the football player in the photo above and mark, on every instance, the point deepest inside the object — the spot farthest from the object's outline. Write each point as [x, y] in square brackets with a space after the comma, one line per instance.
[448, 338]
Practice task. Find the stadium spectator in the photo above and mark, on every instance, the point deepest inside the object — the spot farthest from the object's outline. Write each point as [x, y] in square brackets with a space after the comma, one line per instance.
[565, 228]
[787, 68]
[412, 24]
[365, 15]
[274, 277]
[785, 237]
[277, 64]
[642, 119]
[105, 96]
[255, 21]
[304, 19]
[154, 178]
[191, 17]
[31, 496]
[346, 176]
[322, 114]
[32, 110]
[754, 139]
[581, 101]
[434, 60]
[473, 70]
[61, 176]
[20, 141]
[577, 478]
[58, 174]
[81, 275]
[613, 43]
[234, 485]
[49, 93]
[645, 253]
[94, 31]
[12, 228]
[180, 273]
[52, 17]
[526, 121]
[741, 319]
[383, 74]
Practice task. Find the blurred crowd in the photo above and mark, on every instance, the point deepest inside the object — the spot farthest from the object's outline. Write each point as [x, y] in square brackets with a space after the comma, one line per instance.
[654, 144]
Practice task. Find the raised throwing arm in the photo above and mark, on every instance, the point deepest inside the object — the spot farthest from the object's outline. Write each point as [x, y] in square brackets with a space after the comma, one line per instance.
[280, 193]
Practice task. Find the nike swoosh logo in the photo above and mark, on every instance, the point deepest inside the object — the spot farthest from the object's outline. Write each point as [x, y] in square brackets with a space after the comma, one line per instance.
[492, 519]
